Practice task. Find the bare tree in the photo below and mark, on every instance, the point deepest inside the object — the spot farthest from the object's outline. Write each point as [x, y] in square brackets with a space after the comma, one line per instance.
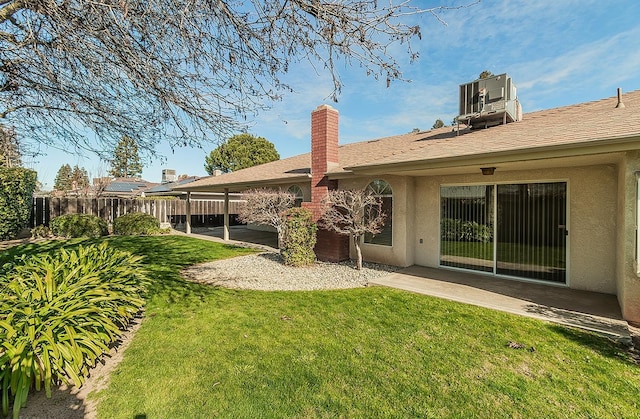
[267, 207]
[353, 213]
[181, 72]
[100, 185]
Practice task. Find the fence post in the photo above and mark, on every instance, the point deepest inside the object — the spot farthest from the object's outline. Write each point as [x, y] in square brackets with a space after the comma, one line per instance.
[226, 214]
[188, 228]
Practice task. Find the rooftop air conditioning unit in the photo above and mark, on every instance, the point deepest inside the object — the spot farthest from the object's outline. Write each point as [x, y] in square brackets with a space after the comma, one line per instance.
[169, 175]
[488, 102]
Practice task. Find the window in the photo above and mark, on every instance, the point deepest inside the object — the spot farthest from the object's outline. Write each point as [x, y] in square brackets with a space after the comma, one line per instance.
[297, 191]
[382, 190]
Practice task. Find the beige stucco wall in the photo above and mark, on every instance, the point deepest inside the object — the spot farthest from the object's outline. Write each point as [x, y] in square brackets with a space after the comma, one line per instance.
[628, 282]
[401, 252]
[592, 219]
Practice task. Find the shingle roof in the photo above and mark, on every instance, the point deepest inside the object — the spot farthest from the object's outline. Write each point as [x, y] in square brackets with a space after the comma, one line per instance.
[572, 126]
[579, 125]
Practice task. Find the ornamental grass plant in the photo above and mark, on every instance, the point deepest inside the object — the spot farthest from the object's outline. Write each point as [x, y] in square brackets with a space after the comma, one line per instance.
[59, 312]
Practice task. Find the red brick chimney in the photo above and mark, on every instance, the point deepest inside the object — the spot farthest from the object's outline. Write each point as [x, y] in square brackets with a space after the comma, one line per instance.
[324, 154]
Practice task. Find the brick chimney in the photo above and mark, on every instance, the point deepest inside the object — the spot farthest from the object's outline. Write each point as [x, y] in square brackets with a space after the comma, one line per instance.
[324, 154]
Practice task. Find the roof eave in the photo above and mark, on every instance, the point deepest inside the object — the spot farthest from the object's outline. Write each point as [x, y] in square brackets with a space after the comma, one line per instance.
[241, 186]
[598, 146]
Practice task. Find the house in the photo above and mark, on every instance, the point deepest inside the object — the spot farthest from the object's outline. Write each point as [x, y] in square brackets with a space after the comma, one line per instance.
[549, 196]
[123, 187]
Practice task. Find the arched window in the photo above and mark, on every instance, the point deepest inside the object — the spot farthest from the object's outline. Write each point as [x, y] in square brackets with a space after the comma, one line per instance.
[382, 190]
[297, 191]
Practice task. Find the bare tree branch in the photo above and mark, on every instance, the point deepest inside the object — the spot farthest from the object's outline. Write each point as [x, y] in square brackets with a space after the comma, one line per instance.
[90, 72]
[267, 207]
[353, 213]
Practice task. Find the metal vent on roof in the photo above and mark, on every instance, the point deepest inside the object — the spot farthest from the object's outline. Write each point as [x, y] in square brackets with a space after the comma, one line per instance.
[488, 102]
[169, 175]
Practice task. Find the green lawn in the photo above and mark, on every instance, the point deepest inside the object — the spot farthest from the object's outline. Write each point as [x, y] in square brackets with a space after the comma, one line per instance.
[507, 252]
[373, 352]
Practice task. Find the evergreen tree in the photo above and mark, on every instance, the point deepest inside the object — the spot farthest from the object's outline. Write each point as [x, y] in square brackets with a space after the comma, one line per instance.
[239, 152]
[438, 124]
[126, 160]
[79, 177]
[485, 74]
[63, 178]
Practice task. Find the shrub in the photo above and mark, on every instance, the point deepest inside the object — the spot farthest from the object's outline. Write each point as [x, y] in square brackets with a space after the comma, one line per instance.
[16, 190]
[79, 225]
[300, 237]
[136, 223]
[41, 232]
[466, 231]
[59, 313]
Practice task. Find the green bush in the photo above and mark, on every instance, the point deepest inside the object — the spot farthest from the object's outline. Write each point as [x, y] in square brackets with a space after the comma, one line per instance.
[41, 232]
[16, 190]
[466, 231]
[59, 313]
[136, 223]
[79, 225]
[300, 238]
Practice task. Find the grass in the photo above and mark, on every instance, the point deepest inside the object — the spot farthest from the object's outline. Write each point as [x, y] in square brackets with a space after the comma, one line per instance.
[370, 352]
[507, 252]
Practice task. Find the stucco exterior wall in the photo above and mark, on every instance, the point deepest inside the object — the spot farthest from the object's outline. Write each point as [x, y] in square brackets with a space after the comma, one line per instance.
[628, 281]
[592, 219]
[400, 253]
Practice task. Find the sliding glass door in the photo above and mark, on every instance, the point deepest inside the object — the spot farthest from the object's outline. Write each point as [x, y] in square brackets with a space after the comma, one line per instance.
[508, 229]
[531, 232]
[467, 227]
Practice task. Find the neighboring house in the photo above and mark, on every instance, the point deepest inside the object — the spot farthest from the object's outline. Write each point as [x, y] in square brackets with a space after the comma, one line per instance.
[122, 187]
[550, 199]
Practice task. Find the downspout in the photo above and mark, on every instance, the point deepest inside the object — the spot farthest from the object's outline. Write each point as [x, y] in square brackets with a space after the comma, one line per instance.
[226, 214]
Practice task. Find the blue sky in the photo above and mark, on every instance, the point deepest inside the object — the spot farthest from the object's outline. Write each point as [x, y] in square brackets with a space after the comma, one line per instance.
[556, 52]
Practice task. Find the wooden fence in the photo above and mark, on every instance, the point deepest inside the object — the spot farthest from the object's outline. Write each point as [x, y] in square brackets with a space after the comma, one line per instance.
[204, 212]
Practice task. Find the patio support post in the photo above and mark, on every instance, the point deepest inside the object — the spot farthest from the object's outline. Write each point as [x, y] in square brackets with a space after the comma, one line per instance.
[226, 214]
[188, 212]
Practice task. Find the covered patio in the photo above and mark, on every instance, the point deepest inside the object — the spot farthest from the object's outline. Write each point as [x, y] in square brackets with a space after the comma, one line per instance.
[239, 235]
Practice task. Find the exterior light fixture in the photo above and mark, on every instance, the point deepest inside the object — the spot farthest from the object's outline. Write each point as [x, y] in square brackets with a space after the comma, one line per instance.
[488, 171]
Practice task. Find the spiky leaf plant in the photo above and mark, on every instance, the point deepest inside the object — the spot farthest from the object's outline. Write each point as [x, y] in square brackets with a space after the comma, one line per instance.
[59, 313]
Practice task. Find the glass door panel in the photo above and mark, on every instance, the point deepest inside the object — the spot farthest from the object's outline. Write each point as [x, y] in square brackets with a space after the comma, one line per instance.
[531, 231]
[466, 227]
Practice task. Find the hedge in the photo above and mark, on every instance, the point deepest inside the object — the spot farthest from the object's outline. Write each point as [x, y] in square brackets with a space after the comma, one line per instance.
[136, 223]
[16, 190]
[79, 225]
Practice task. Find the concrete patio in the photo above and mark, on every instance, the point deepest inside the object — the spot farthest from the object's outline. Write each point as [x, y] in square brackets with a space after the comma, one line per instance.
[591, 311]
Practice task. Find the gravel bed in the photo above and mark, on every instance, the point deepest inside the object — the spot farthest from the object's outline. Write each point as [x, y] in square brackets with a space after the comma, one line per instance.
[267, 272]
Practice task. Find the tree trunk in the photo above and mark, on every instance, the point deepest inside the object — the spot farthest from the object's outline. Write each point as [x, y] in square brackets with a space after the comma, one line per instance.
[281, 231]
[356, 244]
